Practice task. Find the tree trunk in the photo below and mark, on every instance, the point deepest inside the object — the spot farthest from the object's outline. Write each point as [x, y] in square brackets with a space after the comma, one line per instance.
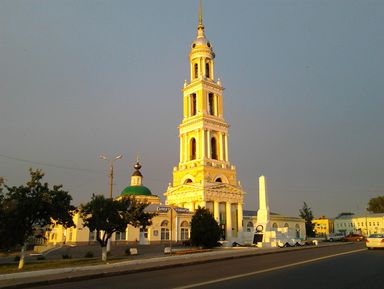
[104, 253]
[22, 256]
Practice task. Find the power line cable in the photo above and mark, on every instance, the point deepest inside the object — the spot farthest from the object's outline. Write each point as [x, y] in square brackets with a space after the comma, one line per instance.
[48, 165]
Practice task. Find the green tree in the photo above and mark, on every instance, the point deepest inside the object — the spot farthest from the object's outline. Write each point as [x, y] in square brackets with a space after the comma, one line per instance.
[107, 216]
[31, 207]
[376, 205]
[205, 231]
[307, 215]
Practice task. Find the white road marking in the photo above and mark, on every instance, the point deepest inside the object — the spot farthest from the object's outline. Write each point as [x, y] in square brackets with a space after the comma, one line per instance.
[265, 270]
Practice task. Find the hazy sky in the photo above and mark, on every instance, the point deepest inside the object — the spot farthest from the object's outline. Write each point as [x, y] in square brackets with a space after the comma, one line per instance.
[304, 94]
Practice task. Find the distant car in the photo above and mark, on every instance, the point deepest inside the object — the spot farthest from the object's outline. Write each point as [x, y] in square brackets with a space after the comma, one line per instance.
[335, 237]
[353, 238]
[375, 241]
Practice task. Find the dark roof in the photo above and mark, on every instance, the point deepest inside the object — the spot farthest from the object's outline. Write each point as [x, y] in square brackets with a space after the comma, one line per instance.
[254, 213]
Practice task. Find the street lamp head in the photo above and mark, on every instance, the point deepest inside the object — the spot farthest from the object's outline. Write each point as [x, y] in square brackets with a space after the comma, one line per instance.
[119, 157]
[102, 157]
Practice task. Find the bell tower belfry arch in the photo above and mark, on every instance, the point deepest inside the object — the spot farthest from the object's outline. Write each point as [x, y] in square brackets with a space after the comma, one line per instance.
[204, 176]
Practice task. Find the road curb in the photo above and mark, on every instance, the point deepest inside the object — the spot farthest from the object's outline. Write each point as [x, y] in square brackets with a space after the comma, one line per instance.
[154, 267]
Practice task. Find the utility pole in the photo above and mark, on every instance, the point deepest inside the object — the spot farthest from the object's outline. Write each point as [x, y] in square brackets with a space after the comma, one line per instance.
[111, 171]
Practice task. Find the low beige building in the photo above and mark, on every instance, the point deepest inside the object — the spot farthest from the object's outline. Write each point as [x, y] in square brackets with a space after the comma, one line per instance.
[362, 224]
[276, 221]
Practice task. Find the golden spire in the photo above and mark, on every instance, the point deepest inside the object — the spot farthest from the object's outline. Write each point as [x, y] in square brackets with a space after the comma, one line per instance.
[200, 27]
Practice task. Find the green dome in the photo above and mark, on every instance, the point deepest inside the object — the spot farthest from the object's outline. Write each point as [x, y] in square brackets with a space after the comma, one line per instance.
[136, 191]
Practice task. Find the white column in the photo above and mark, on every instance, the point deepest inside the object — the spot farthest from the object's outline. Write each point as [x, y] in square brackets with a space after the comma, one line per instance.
[216, 211]
[209, 143]
[181, 148]
[228, 221]
[200, 67]
[204, 70]
[222, 146]
[203, 150]
[216, 100]
[240, 216]
[186, 156]
[198, 148]
[192, 72]
[226, 147]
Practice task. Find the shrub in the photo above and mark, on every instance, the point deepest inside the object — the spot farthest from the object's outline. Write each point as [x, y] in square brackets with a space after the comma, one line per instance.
[127, 251]
[89, 254]
[205, 231]
[66, 256]
[16, 259]
[41, 257]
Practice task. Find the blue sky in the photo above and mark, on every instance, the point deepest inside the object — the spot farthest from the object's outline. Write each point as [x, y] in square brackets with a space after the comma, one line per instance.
[304, 94]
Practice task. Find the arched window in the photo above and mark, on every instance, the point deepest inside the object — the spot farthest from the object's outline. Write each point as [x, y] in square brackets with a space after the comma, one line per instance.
[193, 104]
[193, 149]
[188, 181]
[274, 226]
[211, 103]
[218, 180]
[207, 69]
[286, 225]
[196, 66]
[164, 230]
[213, 148]
[184, 231]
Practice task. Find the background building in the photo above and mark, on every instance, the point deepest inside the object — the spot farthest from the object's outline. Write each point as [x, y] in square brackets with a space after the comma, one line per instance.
[323, 226]
[365, 225]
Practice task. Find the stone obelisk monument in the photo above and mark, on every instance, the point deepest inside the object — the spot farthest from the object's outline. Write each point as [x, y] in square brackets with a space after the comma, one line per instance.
[263, 211]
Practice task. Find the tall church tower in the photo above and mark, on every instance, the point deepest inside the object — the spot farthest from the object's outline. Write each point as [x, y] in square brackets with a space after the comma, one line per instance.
[204, 176]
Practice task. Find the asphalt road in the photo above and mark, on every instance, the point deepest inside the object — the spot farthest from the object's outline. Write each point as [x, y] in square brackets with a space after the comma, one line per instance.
[341, 267]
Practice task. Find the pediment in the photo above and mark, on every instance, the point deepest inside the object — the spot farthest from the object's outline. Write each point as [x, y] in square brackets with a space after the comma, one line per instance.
[222, 187]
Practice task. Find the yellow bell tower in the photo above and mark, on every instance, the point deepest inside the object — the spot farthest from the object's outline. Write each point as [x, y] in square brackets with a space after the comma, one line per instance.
[204, 176]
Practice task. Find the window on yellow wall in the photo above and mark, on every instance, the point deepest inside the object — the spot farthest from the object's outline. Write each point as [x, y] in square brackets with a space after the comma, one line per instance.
[193, 149]
[193, 104]
[164, 233]
[196, 70]
[211, 103]
[207, 72]
[213, 148]
[184, 230]
[187, 181]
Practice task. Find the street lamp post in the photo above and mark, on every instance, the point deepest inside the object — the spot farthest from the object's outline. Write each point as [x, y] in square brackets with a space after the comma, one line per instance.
[118, 157]
[111, 171]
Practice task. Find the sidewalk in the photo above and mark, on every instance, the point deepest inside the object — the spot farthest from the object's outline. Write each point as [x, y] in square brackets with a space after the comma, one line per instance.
[60, 275]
